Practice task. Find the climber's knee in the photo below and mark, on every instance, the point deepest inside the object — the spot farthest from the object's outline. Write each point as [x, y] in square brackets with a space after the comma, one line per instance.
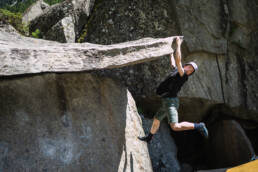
[156, 121]
[175, 126]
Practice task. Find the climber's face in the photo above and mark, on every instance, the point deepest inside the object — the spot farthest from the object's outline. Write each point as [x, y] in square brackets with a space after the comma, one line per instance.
[188, 69]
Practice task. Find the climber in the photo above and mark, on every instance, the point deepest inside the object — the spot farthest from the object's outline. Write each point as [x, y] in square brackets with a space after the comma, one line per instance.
[168, 90]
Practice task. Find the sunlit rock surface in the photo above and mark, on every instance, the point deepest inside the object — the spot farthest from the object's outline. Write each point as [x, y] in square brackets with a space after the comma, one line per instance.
[23, 55]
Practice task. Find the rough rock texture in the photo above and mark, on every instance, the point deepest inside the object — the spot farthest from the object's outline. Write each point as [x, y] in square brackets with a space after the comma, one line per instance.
[51, 16]
[63, 31]
[9, 29]
[84, 6]
[162, 148]
[228, 145]
[199, 22]
[35, 10]
[69, 122]
[21, 55]
[57, 14]
[222, 40]
[221, 36]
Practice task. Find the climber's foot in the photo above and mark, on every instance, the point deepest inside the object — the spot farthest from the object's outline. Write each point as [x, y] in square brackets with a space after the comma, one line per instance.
[146, 138]
[203, 130]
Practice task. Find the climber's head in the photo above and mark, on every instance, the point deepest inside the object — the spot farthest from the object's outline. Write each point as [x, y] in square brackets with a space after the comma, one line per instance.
[190, 68]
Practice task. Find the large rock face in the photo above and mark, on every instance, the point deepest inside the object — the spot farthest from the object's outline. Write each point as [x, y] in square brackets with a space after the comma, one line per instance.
[222, 40]
[217, 37]
[69, 122]
[220, 36]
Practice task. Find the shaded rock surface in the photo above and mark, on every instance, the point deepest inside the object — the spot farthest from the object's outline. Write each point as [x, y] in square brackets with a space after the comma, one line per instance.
[63, 31]
[69, 122]
[232, 140]
[21, 55]
[228, 145]
[162, 148]
[51, 16]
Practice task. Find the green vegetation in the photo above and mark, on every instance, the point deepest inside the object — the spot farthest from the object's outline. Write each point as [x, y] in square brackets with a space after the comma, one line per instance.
[22, 6]
[14, 19]
[84, 32]
[85, 29]
[12, 14]
[36, 34]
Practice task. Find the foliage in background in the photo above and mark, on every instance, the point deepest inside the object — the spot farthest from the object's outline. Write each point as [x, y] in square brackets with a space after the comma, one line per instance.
[11, 13]
[14, 19]
[36, 34]
[21, 5]
[6, 2]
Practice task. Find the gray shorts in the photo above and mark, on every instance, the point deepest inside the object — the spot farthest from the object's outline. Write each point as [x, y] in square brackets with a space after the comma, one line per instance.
[169, 108]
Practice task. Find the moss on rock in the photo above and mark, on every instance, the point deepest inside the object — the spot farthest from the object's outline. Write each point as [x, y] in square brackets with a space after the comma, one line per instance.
[14, 19]
[84, 32]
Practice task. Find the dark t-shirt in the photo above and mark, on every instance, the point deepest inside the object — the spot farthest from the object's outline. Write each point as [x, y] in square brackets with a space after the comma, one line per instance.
[173, 83]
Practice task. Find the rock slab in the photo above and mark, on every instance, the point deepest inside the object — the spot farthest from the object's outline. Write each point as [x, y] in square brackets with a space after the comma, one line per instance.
[21, 55]
[69, 122]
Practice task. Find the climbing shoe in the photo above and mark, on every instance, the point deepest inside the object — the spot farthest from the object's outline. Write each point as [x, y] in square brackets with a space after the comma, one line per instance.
[146, 138]
[203, 130]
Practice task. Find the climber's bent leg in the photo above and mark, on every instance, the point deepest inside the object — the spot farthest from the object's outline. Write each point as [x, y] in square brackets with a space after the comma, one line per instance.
[155, 126]
[159, 116]
[182, 126]
[173, 118]
[154, 129]
[172, 107]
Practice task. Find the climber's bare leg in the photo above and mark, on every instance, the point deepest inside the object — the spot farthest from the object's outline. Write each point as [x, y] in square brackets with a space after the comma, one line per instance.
[155, 126]
[182, 126]
[154, 129]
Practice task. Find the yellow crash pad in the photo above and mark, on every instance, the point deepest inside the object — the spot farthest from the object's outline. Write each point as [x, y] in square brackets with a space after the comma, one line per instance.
[248, 167]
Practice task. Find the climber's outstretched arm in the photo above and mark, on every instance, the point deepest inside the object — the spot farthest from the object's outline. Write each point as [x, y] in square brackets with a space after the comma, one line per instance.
[178, 56]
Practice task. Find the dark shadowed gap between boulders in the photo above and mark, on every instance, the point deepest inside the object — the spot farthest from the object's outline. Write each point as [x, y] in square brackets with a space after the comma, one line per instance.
[232, 139]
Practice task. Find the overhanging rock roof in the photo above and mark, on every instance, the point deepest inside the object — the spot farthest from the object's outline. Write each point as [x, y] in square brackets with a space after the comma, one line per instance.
[24, 55]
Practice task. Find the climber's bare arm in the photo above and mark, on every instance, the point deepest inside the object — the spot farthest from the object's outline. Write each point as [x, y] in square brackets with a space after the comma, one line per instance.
[172, 61]
[178, 56]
